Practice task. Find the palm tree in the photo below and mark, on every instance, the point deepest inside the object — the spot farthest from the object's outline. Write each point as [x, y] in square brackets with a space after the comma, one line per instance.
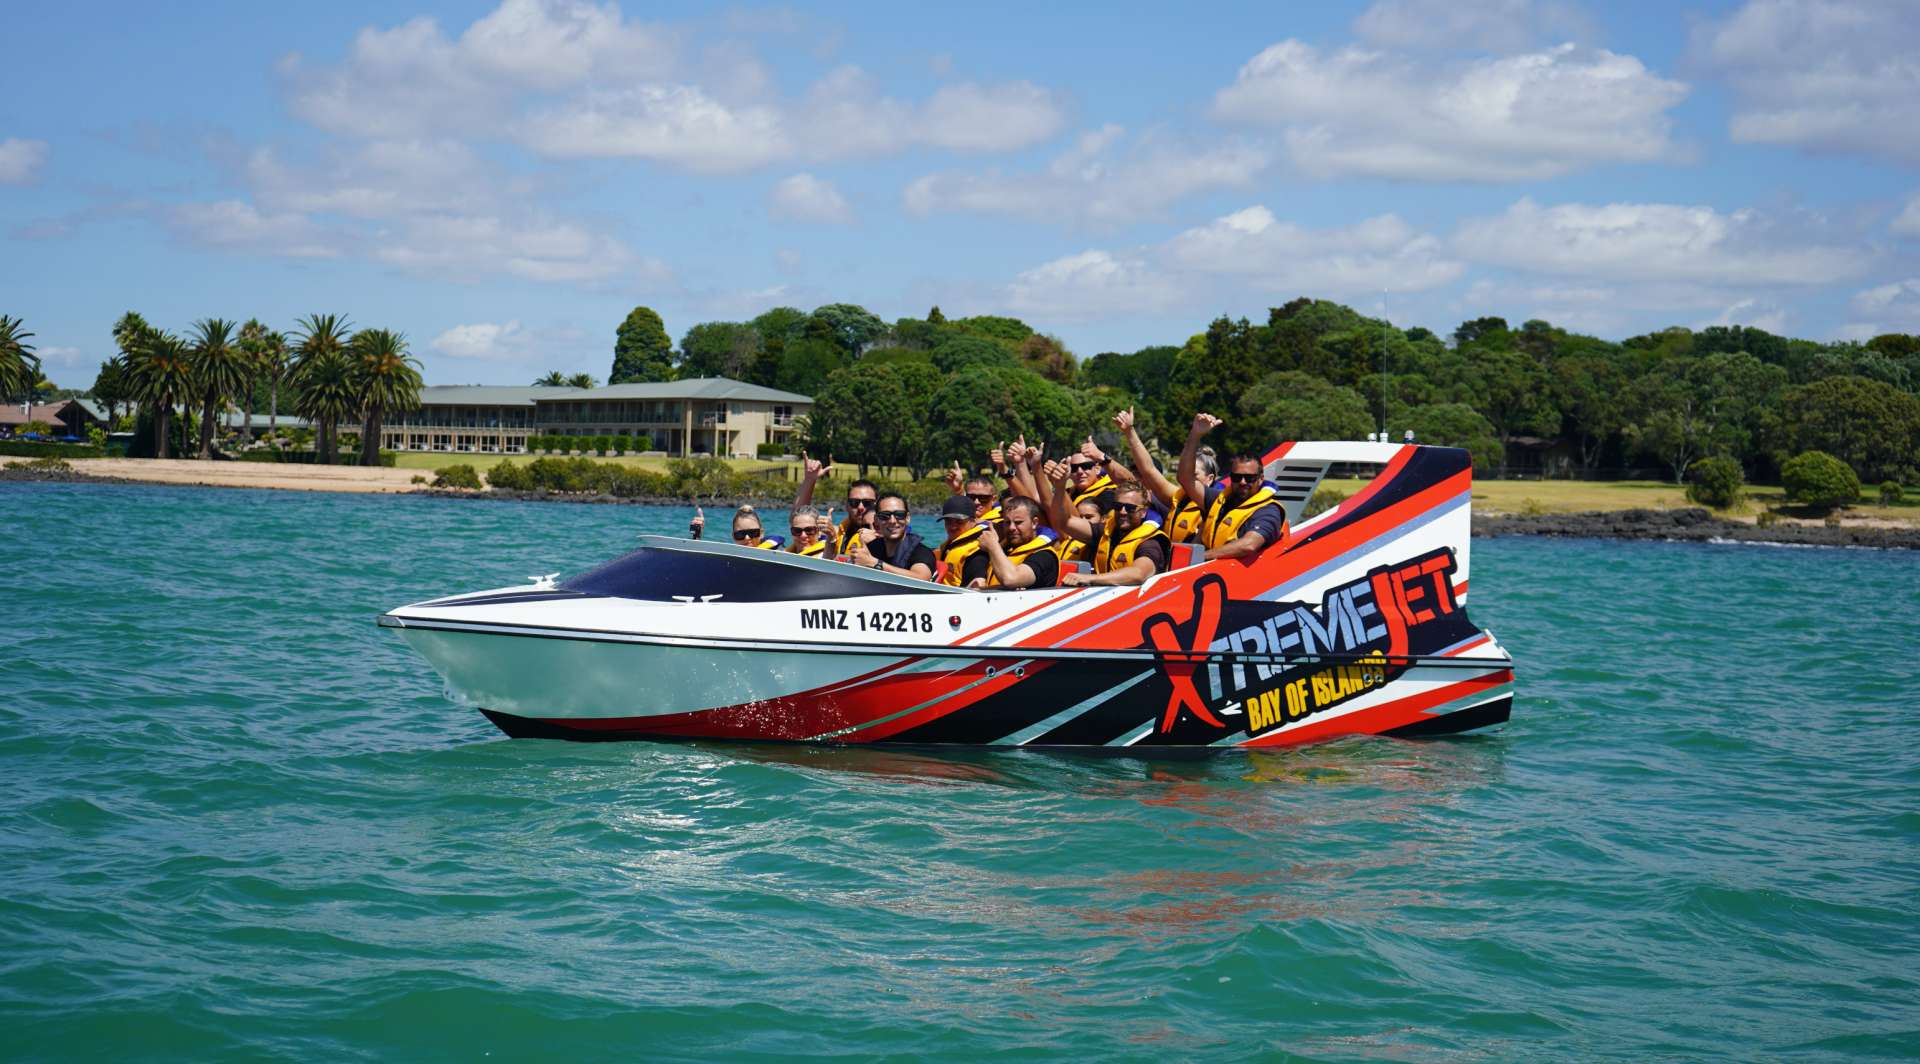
[220, 372]
[554, 379]
[322, 350]
[112, 388]
[273, 361]
[162, 372]
[253, 343]
[387, 381]
[19, 368]
[129, 333]
[581, 380]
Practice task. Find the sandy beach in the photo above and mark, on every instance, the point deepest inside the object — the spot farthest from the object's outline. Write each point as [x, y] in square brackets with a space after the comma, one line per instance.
[378, 480]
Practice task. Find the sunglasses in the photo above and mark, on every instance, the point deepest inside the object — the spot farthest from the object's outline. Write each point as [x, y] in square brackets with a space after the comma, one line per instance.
[861, 504]
[1127, 507]
[1076, 466]
[810, 530]
[982, 499]
[1245, 478]
[891, 515]
[746, 533]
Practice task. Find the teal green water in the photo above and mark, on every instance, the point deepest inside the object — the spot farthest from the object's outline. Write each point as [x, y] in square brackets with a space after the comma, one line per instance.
[239, 821]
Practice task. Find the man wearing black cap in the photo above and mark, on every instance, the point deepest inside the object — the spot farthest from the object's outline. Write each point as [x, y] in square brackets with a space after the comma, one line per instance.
[959, 514]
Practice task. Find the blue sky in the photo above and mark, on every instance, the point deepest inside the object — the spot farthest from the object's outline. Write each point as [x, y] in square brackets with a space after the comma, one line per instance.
[502, 181]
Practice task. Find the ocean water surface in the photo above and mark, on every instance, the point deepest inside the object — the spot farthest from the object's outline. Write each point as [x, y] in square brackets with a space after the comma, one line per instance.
[238, 821]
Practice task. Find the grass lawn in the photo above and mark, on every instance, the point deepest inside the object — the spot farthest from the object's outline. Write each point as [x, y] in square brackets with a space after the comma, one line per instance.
[484, 462]
[1576, 496]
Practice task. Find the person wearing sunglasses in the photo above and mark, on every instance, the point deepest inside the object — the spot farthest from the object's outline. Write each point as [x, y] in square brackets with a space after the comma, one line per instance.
[1239, 515]
[1183, 514]
[1027, 559]
[974, 507]
[1087, 478]
[747, 531]
[891, 545]
[809, 530]
[862, 496]
[1127, 547]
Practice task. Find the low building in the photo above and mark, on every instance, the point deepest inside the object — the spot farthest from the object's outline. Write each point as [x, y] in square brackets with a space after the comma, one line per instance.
[711, 415]
[66, 417]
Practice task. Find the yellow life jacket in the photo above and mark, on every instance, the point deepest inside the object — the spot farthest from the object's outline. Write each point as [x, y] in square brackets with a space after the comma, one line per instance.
[1040, 542]
[849, 535]
[771, 543]
[1104, 484]
[812, 550]
[1119, 555]
[956, 553]
[1184, 522]
[1223, 525]
[1070, 549]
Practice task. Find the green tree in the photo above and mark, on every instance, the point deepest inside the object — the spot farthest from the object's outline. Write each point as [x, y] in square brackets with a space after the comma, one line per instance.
[112, 388]
[1006, 331]
[851, 326]
[1209, 375]
[774, 327]
[859, 414]
[1819, 480]
[324, 377]
[642, 351]
[19, 367]
[1452, 425]
[1048, 357]
[162, 371]
[1591, 392]
[1870, 425]
[1480, 330]
[1291, 405]
[220, 371]
[971, 412]
[386, 381]
[718, 349]
[1513, 393]
[806, 363]
[967, 352]
[1716, 482]
[583, 381]
[553, 379]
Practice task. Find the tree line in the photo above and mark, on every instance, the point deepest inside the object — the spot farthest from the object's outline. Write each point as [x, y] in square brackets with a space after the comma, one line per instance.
[332, 373]
[922, 392]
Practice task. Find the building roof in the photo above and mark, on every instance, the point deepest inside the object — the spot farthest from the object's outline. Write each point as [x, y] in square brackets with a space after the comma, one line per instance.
[713, 388]
[493, 394]
[47, 413]
[716, 389]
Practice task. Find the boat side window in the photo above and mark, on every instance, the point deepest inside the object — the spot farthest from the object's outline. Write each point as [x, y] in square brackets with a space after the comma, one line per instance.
[654, 575]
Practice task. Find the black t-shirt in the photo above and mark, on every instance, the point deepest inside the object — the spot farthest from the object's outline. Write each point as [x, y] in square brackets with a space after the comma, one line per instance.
[1044, 563]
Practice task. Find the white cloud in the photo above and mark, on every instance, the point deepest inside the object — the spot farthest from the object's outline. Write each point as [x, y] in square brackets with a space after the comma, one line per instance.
[1487, 25]
[234, 225]
[1249, 254]
[1908, 223]
[537, 248]
[1093, 284]
[1648, 242]
[1094, 183]
[57, 355]
[484, 340]
[1821, 75]
[675, 124]
[1520, 117]
[20, 160]
[1382, 253]
[1754, 313]
[806, 198]
[1887, 308]
[377, 179]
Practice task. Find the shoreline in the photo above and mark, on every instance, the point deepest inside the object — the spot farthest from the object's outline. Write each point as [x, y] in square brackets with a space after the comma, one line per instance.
[1685, 524]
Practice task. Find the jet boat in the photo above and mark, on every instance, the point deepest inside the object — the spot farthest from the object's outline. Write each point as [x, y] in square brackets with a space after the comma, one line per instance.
[1355, 624]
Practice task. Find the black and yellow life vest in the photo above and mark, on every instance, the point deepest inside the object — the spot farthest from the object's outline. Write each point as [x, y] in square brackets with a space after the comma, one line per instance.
[1070, 549]
[771, 543]
[1094, 490]
[1111, 555]
[1223, 524]
[812, 550]
[956, 551]
[1184, 522]
[848, 535]
[1042, 541]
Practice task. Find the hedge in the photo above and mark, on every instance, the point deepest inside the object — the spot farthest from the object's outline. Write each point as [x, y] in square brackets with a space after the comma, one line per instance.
[346, 458]
[34, 449]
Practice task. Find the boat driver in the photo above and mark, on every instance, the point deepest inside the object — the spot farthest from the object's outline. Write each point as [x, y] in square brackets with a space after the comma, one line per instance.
[890, 545]
[1027, 559]
[1127, 549]
[1239, 515]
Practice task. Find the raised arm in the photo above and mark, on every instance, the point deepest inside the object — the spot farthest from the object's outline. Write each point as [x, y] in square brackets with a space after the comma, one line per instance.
[812, 469]
[1108, 464]
[1059, 507]
[1189, 466]
[1150, 476]
[1020, 469]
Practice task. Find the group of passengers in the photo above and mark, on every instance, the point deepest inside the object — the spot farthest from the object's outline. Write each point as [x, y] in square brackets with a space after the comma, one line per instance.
[1122, 521]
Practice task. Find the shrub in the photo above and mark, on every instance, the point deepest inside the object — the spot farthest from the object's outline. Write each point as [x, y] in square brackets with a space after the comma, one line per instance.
[1767, 519]
[770, 450]
[31, 449]
[48, 464]
[1531, 507]
[1323, 499]
[97, 436]
[1891, 493]
[1716, 482]
[418, 479]
[509, 476]
[1819, 480]
[457, 476]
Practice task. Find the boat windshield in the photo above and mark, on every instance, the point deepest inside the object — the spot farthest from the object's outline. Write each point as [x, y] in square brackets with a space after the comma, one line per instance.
[723, 574]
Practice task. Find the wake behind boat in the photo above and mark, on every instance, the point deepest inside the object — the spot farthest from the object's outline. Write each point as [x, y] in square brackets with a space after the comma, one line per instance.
[1355, 624]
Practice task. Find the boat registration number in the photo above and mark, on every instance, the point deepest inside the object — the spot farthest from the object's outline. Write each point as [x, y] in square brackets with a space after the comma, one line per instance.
[866, 620]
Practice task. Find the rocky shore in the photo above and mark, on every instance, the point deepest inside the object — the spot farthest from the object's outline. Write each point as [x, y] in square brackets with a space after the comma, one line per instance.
[1692, 525]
